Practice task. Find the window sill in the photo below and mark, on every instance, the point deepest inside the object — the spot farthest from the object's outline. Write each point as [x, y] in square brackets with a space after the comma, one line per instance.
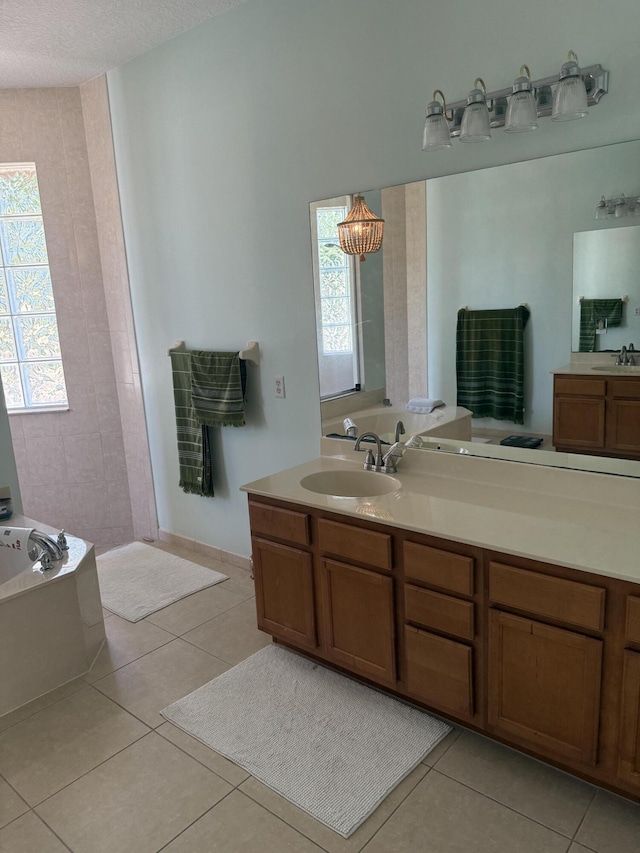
[33, 410]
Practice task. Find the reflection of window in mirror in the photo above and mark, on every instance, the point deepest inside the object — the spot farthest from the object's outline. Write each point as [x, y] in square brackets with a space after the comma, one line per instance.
[335, 280]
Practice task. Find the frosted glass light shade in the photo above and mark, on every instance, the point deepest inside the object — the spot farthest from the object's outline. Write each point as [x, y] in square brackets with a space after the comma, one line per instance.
[601, 209]
[522, 113]
[436, 133]
[570, 96]
[475, 125]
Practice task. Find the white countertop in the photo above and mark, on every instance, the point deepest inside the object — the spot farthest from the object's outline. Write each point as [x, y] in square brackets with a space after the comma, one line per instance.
[577, 519]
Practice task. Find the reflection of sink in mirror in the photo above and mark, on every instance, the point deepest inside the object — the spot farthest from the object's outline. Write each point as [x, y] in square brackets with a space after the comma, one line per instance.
[617, 368]
[443, 422]
[350, 484]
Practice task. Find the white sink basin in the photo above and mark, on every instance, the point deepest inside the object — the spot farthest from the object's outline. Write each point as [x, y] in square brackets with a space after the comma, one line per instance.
[350, 484]
[617, 368]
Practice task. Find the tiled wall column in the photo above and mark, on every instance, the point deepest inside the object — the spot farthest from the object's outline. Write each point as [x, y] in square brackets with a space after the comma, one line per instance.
[71, 465]
[95, 104]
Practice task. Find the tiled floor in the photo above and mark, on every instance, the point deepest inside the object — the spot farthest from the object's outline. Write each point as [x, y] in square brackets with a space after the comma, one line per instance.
[93, 767]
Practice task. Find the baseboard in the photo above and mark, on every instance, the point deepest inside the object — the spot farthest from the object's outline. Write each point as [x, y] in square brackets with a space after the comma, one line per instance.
[206, 550]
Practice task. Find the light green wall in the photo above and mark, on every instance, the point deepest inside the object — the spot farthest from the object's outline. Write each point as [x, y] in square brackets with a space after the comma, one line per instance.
[223, 136]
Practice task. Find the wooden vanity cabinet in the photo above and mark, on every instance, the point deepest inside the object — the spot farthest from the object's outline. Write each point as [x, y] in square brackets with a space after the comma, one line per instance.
[597, 415]
[545, 679]
[544, 658]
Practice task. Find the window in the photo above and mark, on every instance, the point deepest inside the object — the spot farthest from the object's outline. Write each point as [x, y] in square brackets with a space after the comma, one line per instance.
[336, 302]
[30, 358]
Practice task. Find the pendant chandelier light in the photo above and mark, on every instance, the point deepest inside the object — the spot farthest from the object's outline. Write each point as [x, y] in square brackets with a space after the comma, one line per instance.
[361, 232]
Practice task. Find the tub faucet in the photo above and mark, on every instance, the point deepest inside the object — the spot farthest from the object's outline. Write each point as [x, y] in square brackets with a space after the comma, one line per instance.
[400, 430]
[350, 428]
[47, 550]
[371, 464]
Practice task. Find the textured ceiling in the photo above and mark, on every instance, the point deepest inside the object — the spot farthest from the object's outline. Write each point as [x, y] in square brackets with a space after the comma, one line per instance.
[67, 42]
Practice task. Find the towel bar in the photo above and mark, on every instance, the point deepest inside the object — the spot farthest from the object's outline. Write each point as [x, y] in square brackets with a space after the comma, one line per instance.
[250, 353]
[624, 298]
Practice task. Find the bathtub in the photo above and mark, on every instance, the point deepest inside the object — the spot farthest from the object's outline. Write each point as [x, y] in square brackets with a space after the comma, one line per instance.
[444, 422]
[51, 623]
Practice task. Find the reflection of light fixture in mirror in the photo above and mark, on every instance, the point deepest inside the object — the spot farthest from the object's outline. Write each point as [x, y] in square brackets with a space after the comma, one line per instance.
[618, 207]
[522, 112]
[476, 126]
[601, 209]
[361, 232]
[436, 127]
[570, 96]
[622, 208]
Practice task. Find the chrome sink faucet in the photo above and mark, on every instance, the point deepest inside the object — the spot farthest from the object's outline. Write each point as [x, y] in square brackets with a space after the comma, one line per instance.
[371, 464]
[626, 356]
[386, 464]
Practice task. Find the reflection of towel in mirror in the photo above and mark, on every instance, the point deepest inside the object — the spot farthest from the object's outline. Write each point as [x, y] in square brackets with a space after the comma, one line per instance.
[490, 362]
[423, 405]
[592, 310]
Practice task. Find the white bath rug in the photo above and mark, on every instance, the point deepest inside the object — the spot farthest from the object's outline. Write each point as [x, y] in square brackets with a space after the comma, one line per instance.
[331, 746]
[137, 580]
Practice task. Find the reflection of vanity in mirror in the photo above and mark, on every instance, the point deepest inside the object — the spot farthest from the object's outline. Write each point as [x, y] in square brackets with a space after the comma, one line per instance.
[493, 239]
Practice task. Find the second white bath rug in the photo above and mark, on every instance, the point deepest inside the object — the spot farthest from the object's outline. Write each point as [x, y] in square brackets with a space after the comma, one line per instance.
[333, 747]
[137, 580]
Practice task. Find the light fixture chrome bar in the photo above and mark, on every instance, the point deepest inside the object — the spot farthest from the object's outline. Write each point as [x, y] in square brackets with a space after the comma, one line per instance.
[596, 80]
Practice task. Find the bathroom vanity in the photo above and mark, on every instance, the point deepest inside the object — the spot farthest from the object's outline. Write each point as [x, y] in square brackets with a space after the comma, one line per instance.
[503, 596]
[597, 412]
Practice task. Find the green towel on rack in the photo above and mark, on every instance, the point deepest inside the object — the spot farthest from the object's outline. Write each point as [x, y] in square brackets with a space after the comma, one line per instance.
[194, 451]
[592, 310]
[490, 362]
[217, 388]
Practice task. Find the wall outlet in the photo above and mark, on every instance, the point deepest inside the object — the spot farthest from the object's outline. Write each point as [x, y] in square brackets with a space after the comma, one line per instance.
[637, 312]
[280, 386]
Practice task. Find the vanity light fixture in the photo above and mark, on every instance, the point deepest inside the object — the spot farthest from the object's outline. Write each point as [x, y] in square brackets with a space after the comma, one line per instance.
[436, 127]
[562, 96]
[361, 232]
[618, 208]
[522, 112]
[476, 126]
[570, 96]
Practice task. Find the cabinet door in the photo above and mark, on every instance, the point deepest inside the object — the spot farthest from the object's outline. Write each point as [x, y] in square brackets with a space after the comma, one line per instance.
[623, 426]
[544, 686]
[629, 760]
[578, 422]
[359, 616]
[439, 671]
[284, 592]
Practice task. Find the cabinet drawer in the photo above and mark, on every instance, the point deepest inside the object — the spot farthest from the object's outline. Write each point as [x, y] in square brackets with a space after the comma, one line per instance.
[576, 386]
[542, 595]
[629, 388]
[279, 523]
[632, 628]
[355, 543]
[439, 671]
[453, 572]
[439, 612]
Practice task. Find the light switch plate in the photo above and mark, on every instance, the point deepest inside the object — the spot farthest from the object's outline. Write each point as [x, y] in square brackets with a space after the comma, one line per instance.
[280, 386]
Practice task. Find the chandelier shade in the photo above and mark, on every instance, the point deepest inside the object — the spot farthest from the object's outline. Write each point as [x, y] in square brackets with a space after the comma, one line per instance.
[361, 232]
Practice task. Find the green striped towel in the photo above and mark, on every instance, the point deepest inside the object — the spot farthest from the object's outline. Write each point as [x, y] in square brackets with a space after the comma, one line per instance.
[194, 452]
[490, 362]
[217, 389]
[592, 310]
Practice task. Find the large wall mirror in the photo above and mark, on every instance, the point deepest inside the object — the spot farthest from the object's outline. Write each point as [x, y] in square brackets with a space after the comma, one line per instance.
[497, 238]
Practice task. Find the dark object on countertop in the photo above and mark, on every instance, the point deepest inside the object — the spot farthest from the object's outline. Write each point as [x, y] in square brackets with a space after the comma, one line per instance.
[521, 441]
